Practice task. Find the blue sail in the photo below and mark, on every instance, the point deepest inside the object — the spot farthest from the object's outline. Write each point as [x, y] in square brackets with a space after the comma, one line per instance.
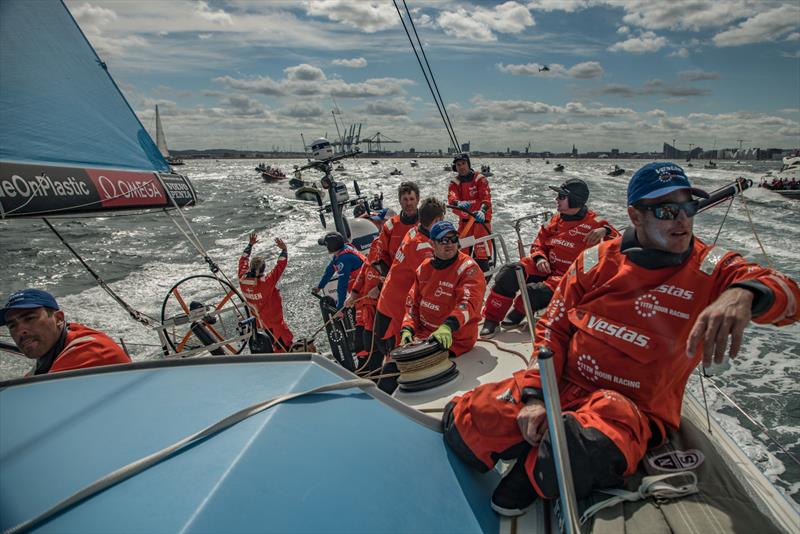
[58, 103]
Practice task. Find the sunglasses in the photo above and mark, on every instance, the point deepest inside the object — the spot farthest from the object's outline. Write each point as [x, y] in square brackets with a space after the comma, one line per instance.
[668, 211]
[562, 196]
[448, 240]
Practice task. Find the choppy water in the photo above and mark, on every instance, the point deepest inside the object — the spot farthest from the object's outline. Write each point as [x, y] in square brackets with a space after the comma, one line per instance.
[141, 257]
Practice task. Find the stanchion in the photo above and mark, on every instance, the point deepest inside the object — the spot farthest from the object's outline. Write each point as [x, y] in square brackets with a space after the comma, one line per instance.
[555, 423]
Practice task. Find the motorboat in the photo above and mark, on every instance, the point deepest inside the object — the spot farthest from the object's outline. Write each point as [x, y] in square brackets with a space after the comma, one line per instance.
[414, 163]
[486, 170]
[710, 165]
[786, 181]
[559, 168]
[616, 171]
[396, 172]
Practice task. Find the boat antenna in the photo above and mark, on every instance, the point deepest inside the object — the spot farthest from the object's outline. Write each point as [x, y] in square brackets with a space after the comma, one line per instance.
[434, 89]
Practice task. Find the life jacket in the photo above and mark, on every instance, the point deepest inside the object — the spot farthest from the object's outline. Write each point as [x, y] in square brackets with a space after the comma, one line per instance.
[85, 347]
[455, 291]
[613, 324]
[264, 299]
[415, 249]
[560, 242]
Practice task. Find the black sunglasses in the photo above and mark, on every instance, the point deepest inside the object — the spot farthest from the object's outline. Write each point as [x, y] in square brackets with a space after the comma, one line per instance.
[667, 211]
[448, 240]
[562, 196]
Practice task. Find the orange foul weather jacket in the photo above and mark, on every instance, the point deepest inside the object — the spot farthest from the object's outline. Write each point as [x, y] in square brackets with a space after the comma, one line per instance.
[615, 325]
[560, 242]
[365, 289]
[265, 301]
[475, 191]
[415, 249]
[85, 347]
[388, 241]
[456, 292]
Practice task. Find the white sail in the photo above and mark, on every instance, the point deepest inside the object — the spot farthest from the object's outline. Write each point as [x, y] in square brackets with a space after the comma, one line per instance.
[161, 141]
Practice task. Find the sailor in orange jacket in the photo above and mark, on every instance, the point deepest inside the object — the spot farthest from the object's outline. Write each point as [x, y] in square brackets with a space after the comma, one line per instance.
[558, 243]
[446, 296]
[415, 249]
[627, 325]
[39, 329]
[364, 297]
[395, 229]
[262, 295]
[469, 190]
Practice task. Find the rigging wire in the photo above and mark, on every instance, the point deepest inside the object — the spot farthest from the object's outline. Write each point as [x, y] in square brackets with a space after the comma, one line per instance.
[450, 132]
[141, 317]
[430, 70]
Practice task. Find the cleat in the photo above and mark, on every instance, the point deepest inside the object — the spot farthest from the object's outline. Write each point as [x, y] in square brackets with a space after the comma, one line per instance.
[489, 328]
[514, 494]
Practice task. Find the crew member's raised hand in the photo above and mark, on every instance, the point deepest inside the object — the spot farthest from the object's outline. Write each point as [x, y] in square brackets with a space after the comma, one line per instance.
[279, 242]
[594, 237]
[253, 238]
[725, 317]
[543, 265]
[532, 421]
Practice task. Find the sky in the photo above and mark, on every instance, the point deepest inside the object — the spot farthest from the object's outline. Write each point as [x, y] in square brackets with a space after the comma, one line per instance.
[628, 74]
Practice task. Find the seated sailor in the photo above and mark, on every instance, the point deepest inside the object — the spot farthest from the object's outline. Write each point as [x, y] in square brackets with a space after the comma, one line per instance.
[39, 328]
[627, 325]
[574, 228]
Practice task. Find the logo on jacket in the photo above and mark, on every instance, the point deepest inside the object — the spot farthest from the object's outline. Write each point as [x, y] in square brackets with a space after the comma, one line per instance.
[563, 243]
[622, 332]
[675, 291]
[429, 305]
[588, 367]
[507, 397]
[676, 460]
[556, 310]
[438, 292]
[647, 306]
[668, 172]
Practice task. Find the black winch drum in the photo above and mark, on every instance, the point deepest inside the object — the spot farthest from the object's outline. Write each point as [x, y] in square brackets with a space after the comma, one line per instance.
[423, 365]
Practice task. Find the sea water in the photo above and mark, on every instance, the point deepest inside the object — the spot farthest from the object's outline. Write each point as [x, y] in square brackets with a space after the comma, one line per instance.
[142, 256]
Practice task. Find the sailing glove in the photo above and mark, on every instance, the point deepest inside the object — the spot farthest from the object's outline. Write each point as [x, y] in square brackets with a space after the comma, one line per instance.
[464, 204]
[444, 335]
[406, 336]
[480, 216]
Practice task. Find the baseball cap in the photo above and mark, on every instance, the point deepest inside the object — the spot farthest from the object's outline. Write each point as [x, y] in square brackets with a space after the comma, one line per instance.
[574, 188]
[441, 229]
[28, 298]
[657, 179]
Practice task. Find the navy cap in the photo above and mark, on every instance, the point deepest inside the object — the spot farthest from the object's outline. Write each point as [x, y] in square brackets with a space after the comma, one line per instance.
[441, 229]
[657, 179]
[28, 298]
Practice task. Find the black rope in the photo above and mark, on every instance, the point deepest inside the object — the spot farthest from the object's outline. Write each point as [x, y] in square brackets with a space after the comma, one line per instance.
[137, 315]
[447, 126]
[433, 79]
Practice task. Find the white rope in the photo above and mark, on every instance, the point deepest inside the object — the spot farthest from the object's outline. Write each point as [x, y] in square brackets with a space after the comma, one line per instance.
[136, 467]
[652, 486]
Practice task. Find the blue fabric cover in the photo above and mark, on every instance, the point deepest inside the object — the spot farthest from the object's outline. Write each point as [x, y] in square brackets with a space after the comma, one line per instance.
[341, 462]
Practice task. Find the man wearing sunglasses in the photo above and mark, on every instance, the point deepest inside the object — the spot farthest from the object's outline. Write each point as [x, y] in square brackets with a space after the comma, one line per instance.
[574, 228]
[446, 295]
[627, 325]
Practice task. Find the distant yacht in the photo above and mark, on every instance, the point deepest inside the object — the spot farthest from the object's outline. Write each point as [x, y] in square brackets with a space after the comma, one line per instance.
[161, 142]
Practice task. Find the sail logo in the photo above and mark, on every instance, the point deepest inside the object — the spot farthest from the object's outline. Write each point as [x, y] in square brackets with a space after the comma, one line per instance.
[120, 187]
[42, 185]
[621, 332]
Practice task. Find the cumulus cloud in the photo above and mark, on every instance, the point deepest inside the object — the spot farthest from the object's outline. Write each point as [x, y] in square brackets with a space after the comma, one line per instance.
[304, 72]
[793, 36]
[623, 30]
[681, 14]
[558, 5]
[643, 43]
[682, 52]
[218, 16]
[368, 16]
[584, 71]
[697, 75]
[653, 88]
[92, 18]
[386, 108]
[481, 24]
[766, 26]
[302, 111]
[485, 109]
[354, 63]
[244, 105]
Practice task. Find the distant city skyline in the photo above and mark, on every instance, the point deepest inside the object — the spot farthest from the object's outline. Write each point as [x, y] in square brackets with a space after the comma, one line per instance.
[627, 74]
